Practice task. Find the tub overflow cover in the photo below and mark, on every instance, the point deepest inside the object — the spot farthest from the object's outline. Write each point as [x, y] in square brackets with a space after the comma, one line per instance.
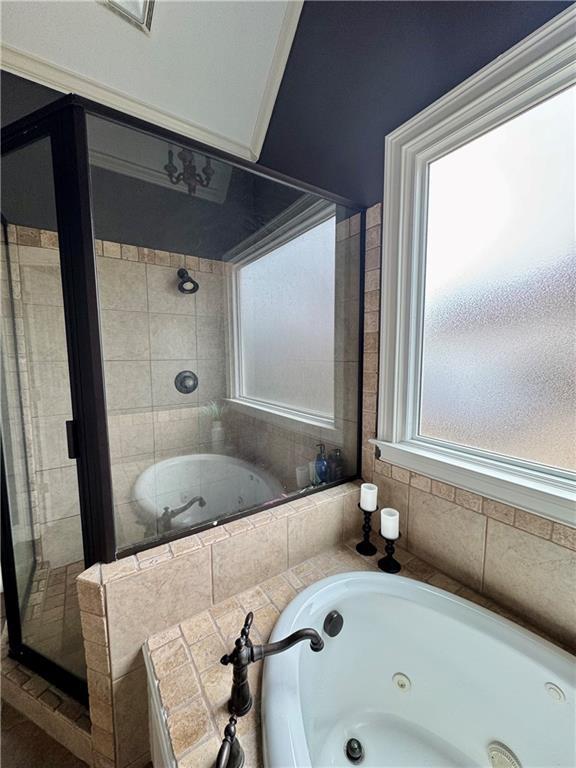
[333, 623]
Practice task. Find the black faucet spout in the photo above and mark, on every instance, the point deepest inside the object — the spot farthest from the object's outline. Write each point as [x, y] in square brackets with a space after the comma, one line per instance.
[316, 644]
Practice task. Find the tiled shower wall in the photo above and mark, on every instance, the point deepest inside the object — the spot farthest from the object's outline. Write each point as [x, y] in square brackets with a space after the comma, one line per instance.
[150, 332]
[40, 381]
[524, 561]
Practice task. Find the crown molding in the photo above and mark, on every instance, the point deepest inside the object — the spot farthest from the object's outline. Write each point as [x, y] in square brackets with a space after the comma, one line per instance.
[65, 80]
[61, 79]
[275, 74]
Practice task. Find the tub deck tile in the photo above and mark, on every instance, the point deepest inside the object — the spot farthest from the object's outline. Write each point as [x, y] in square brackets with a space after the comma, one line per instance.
[207, 635]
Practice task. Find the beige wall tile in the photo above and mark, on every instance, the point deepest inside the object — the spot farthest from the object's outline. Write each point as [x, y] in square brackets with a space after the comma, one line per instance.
[155, 599]
[62, 541]
[111, 250]
[210, 294]
[42, 283]
[125, 335]
[189, 726]
[443, 490]
[94, 628]
[131, 717]
[45, 333]
[372, 260]
[207, 652]
[58, 493]
[168, 657]
[498, 511]
[564, 535]
[373, 237]
[50, 389]
[128, 384]
[535, 524]
[533, 577]
[469, 500]
[103, 742]
[172, 337]
[211, 379]
[447, 536]
[97, 657]
[121, 285]
[311, 532]
[244, 560]
[210, 329]
[179, 686]
[401, 474]
[421, 482]
[374, 216]
[91, 597]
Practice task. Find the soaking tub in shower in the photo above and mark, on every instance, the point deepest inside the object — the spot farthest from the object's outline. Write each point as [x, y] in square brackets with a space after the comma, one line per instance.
[419, 678]
[228, 485]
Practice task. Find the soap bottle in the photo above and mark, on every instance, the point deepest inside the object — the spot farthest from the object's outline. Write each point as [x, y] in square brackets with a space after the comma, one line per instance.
[336, 465]
[321, 464]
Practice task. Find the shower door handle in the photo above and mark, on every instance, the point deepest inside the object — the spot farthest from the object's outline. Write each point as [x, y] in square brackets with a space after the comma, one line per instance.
[72, 439]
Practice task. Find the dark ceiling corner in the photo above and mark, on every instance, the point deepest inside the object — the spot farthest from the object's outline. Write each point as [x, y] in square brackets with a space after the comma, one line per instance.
[20, 97]
[357, 70]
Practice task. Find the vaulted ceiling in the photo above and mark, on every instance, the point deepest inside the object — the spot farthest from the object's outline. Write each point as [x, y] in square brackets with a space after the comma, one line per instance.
[209, 70]
[311, 94]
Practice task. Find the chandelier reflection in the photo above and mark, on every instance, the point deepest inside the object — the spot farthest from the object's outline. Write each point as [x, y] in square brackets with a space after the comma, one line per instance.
[189, 175]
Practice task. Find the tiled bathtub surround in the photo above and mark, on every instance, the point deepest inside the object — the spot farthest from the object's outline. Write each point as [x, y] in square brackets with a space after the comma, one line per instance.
[193, 688]
[125, 602]
[524, 561]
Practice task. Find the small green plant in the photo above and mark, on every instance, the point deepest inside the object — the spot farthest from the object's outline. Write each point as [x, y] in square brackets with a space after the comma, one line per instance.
[215, 410]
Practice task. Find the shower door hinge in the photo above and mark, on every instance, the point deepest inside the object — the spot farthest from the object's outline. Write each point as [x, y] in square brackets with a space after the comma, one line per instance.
[72, 439]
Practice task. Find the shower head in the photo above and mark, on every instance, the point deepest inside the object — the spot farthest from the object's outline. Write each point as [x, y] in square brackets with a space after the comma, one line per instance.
[186, 284]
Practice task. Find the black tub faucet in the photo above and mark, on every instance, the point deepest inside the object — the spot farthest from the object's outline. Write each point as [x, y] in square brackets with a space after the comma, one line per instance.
[245, 653]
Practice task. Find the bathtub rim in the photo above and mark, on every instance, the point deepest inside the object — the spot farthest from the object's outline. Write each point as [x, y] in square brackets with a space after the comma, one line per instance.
[281, 679]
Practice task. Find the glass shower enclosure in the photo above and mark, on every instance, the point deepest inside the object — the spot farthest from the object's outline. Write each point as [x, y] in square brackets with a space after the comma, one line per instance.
[180, 347]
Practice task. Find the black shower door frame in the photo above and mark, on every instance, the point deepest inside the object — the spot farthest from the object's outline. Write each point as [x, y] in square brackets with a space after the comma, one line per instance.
[64, 125]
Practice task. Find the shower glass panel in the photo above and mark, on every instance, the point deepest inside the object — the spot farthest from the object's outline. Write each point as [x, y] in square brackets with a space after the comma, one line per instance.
[229, 315]
[42, 485]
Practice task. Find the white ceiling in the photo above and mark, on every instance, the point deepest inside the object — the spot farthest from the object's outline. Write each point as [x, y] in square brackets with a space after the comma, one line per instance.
[210, 70]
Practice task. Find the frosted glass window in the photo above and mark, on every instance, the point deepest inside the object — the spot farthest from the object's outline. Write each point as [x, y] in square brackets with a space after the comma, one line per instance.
[286, 316]
[498, 360]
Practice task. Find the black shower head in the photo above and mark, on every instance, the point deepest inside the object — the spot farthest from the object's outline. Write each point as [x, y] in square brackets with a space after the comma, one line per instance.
[186, 283]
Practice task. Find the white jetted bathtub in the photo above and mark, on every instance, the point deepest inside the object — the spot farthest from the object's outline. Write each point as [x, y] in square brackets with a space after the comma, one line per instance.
[226, 484]
[420, 678]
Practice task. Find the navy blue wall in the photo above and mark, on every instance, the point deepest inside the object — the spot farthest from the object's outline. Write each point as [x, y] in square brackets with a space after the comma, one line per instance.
[357, 70]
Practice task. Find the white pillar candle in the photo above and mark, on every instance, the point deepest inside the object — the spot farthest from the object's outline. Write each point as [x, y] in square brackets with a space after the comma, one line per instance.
[389, 523]
[369, 497]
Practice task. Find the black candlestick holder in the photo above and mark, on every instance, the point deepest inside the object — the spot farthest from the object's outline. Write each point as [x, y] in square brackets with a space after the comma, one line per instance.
[365, 547]
[388, 563]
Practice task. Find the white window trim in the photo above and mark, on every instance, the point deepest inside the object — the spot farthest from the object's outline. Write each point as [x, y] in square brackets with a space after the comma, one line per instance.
[295, 221]
[538, 67]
